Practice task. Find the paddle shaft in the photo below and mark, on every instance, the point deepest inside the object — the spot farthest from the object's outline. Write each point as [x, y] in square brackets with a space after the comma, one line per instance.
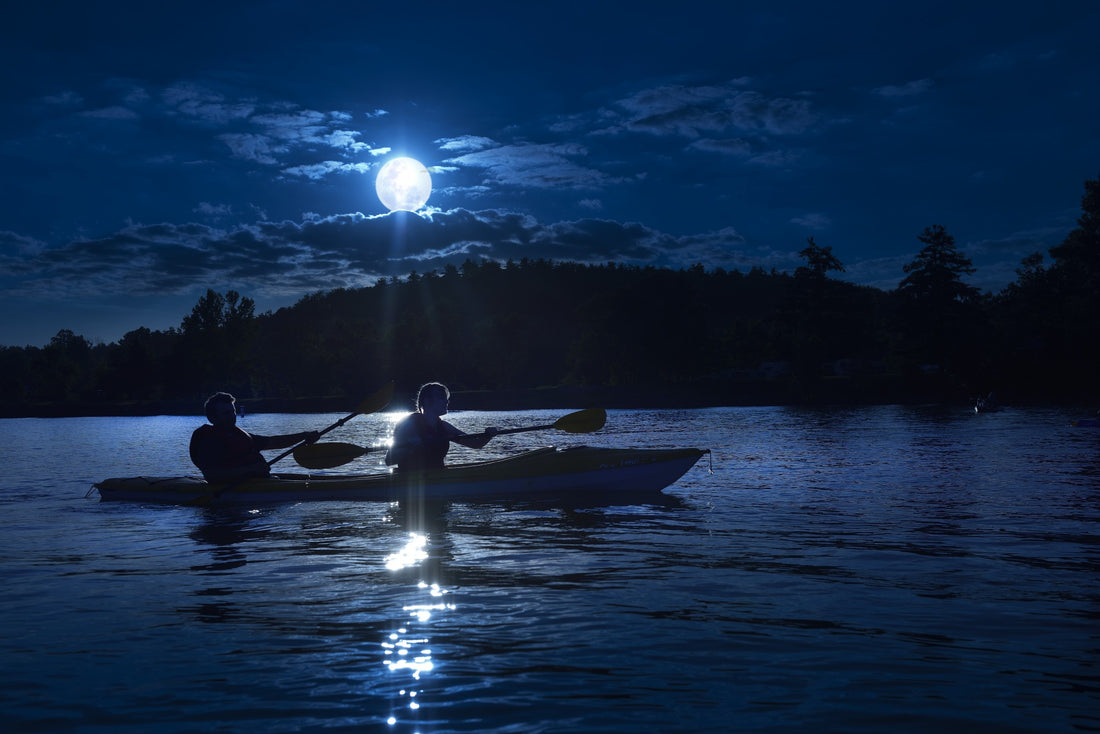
[335, 425]
[582, 421]
[328, 456]
[371, 405]
[503, 431]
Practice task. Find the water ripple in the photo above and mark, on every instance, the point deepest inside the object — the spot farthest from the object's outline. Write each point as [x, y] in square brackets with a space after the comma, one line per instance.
[850, 570]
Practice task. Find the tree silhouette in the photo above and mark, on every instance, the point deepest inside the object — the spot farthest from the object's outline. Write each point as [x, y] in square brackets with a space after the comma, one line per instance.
[819, 261]
[939, 313]
[935, 278]
[1074, 291]
[215, 347]
[720, 337]
[1081, 248]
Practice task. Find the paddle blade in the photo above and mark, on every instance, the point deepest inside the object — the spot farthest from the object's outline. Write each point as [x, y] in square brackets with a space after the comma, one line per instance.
[583, 421]
[376, 402]
[327, 455]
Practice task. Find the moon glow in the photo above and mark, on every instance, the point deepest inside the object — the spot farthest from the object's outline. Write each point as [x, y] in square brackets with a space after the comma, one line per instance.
[403, 184]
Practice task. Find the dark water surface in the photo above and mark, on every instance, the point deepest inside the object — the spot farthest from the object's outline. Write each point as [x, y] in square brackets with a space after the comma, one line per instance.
[850, 570]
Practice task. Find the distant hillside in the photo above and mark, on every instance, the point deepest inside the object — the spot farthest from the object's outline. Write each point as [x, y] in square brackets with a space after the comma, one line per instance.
[548, 334]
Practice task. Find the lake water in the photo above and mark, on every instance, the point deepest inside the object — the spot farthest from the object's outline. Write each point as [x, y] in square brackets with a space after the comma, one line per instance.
[899, 569]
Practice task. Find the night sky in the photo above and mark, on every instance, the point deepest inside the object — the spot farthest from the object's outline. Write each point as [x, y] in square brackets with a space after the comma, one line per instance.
[150, 153]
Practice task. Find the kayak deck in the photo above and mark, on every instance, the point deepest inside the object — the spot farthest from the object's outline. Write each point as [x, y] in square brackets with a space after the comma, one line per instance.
[544, 473]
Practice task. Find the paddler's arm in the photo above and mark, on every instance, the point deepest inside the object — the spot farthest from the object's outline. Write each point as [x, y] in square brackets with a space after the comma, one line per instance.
[285, 441]
[474, 440]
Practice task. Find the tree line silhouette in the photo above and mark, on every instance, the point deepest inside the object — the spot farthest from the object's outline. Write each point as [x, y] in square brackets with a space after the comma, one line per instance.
[538, 330]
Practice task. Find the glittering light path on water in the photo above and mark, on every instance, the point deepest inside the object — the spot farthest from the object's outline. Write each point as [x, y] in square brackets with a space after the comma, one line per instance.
[405, 651]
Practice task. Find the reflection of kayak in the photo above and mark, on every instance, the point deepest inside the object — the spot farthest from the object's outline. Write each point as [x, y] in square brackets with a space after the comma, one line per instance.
[1088, 423]
[581, 472]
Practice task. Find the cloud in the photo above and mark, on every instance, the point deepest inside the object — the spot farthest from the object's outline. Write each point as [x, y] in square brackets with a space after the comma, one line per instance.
[300, 125]
[694, 112]
[726, 146]
[317, 171]
[66, 98]
[1020, 243]
[998, 260]
[205, 105]
[252, 147]
[345, 139]
[813, 220]
[17, 247]
[266, 132]
[213, 210]
[909, 89]
[465, 143]
[533, 165]
[348, 250]
[777, 158]
[112, 113]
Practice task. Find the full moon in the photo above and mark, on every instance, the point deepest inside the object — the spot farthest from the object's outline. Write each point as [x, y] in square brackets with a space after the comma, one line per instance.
[403, 184]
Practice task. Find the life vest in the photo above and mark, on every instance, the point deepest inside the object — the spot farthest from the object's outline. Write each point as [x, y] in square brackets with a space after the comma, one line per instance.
[434, 443]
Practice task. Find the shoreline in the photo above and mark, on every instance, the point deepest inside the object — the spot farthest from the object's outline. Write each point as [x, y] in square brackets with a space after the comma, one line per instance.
[741, 393]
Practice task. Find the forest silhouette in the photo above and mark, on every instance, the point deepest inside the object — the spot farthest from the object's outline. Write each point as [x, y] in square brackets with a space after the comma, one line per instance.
[539, 333]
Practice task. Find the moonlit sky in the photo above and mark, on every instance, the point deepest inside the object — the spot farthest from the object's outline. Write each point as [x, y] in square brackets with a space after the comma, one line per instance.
[149, 153]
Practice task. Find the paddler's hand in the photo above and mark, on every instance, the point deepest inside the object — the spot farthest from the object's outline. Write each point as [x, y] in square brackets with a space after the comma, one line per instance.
[310, 436]
[476, 440]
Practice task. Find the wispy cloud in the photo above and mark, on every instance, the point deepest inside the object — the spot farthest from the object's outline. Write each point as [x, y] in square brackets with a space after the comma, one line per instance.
[813, 220]
[726, 146]
[67, 98]
[317, 171]
[112, 113]
[254, 147]
[532, 165]
[213, 210]
[204, 105]
[909, 89]
[261, 131]
[465, 144]
[15, 247]
[698, 111]
[320, 253]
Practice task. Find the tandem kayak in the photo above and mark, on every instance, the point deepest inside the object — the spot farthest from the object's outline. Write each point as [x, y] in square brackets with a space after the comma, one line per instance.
[543, 474]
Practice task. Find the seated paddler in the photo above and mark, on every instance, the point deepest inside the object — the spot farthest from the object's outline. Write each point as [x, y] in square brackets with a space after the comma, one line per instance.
[422, 439]
[224, 451]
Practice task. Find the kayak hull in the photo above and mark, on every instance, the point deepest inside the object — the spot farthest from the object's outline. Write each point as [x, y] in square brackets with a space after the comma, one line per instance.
[542, 474]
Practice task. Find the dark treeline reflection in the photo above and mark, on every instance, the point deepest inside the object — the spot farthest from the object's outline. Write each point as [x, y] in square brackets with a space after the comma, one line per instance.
[645, 334]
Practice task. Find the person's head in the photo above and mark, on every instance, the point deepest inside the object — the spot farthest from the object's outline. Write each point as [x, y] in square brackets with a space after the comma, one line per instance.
[221, 409]
[434, 396]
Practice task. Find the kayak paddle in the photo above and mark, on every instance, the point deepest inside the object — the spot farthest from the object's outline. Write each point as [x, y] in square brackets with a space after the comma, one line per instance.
[330, 455]
[583, 421]
[373, 404]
